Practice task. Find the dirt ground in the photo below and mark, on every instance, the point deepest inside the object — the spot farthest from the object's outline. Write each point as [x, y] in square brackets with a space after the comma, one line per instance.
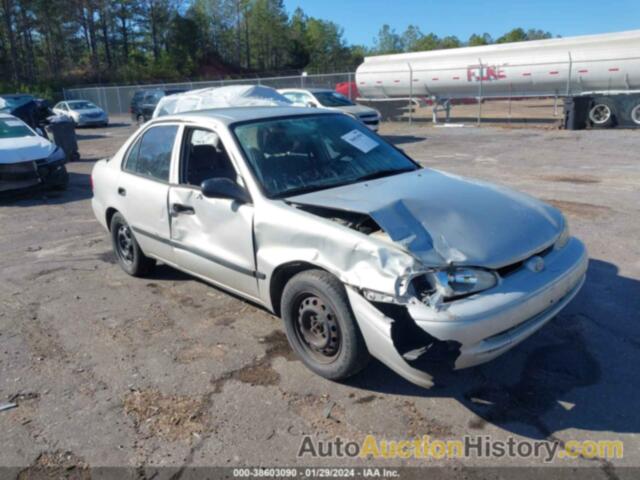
[110, 370]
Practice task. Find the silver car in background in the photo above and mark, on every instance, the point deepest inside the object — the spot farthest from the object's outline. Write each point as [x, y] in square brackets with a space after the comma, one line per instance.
[328, 99]
[82, 112]
[359, 249]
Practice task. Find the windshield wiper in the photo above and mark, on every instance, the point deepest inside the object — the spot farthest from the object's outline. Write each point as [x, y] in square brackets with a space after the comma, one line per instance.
[382, 173]
[301, 190]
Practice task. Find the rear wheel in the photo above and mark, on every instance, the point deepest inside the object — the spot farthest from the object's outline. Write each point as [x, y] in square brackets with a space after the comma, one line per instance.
[603, 113]
[634, 114]
[128, 252]
[139, 120]
[321, 327]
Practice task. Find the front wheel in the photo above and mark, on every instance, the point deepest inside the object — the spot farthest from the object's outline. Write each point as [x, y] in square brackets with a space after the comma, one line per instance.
[128, 252]
[321, 327]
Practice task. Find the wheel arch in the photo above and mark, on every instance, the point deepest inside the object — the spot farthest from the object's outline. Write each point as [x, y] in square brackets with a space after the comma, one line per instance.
[281, 276]
[109, 215]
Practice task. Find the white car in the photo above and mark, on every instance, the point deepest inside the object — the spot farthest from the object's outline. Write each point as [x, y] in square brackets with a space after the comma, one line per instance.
[328, 99]
[82, 112]
[27, 159]
[358, 248]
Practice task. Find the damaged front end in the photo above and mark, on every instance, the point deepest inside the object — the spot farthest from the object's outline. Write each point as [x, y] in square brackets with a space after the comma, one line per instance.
[474, 286]
[47, 172]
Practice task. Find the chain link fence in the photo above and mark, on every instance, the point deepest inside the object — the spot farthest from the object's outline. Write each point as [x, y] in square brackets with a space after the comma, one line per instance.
[116, 100]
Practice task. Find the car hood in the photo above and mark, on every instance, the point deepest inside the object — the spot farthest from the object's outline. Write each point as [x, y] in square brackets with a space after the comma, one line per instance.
[356, 110]
[24, 149]
[442, 218]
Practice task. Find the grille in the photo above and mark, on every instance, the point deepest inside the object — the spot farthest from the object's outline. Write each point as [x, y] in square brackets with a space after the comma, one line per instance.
[18, 172]
[514, 267]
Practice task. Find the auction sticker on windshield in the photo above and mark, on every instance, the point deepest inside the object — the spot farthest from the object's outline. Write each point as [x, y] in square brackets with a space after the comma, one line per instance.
[360, 141]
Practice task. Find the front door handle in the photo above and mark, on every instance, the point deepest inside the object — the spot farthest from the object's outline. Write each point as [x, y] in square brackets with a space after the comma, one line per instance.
[178, 208]
[122, 191]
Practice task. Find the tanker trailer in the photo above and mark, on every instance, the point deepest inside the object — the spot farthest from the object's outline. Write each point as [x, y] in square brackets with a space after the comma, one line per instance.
[597, 74]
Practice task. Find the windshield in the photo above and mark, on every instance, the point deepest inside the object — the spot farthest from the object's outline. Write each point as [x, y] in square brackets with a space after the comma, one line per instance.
[302, 154]
[81, 105]
[14, 128]
[332, 99]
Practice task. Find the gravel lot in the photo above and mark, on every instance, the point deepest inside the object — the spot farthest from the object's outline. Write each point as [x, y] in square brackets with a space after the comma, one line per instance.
[110, 370]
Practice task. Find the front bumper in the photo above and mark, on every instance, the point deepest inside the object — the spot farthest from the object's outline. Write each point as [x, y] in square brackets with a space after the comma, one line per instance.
[25, 175]
[88, 122]
[484, 325]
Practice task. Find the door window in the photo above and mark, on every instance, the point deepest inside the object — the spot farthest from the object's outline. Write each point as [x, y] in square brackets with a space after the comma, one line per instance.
[204, 157]
[150, 156]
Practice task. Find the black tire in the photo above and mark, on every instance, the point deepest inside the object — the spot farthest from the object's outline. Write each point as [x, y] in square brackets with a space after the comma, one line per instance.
[59, 179]
[603, 113]
[633, 111]
[126, 248]
[140, 119]
[321, 327]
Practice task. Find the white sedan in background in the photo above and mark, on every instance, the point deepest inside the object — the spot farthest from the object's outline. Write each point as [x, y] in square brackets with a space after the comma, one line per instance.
[27, 159]
[328, 99]
[82, 112]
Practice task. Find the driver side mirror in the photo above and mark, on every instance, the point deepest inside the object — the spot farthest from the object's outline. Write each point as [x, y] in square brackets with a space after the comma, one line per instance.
[224, 188]
[312, 104]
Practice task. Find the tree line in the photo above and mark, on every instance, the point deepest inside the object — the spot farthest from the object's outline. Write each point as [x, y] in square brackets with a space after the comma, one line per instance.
[47, 44]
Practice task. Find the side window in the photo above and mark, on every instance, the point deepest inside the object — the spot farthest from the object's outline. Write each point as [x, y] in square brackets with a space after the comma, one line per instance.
[290, 96]
[150, 156]
[204, 157]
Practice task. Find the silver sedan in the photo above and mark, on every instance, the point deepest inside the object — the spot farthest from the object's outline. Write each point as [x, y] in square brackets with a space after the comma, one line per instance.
[82, 112]
[360, 250]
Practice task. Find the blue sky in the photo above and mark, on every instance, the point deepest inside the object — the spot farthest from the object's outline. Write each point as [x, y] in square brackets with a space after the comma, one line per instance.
[361, 19]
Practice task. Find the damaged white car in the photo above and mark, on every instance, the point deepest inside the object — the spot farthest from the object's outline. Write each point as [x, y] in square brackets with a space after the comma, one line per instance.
[358, 248]
[28, 160]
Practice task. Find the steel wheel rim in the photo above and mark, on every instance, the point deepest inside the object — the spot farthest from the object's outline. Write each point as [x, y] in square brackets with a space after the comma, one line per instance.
[124, 244]
[600, 114]
[317, 328]
[635, 114]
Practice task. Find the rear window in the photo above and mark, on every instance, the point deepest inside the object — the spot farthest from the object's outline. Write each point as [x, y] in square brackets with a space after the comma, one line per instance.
[14, 128]
[150, 156]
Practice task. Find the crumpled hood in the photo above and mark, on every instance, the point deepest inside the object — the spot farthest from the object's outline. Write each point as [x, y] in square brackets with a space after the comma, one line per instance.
[24, 149]
[356, 110]
[442, 218]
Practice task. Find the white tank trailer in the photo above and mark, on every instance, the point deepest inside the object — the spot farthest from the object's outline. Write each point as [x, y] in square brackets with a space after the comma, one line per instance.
[598, 75]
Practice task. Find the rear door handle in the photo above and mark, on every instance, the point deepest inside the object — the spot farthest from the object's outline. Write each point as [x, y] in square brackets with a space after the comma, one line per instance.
[122, 191]
[178, 208]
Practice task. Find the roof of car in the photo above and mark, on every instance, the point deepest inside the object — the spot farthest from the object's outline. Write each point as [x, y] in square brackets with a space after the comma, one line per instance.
[240, 114]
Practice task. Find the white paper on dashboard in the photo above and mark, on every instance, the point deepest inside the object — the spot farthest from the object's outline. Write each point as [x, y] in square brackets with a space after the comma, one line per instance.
[360, 141]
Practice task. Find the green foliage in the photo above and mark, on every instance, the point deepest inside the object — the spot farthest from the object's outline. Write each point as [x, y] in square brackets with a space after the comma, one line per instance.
[47, 44]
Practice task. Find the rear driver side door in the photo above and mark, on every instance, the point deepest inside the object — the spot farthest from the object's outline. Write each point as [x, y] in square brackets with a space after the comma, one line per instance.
[143, 186]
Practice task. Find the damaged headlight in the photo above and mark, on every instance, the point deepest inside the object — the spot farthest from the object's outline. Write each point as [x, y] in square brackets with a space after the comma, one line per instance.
[564, 237]
[464, 281]
[451, 283]
[56, 156]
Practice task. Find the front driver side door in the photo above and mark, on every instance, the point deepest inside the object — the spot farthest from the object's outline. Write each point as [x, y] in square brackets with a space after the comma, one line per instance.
[212, 237]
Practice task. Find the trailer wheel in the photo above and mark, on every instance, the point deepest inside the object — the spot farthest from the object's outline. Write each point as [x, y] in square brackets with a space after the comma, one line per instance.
[603, 113]
[635, 114]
